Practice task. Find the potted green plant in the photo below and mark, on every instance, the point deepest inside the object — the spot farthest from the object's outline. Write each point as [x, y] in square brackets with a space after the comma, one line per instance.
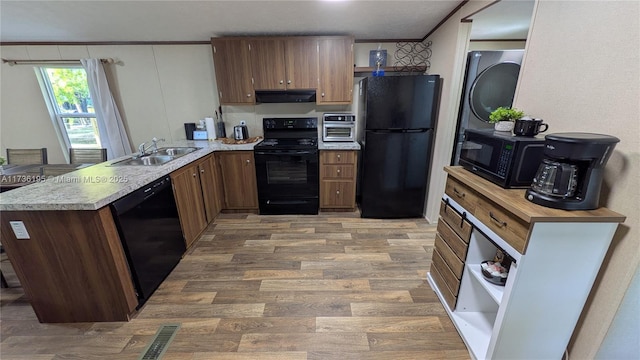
[504, 118]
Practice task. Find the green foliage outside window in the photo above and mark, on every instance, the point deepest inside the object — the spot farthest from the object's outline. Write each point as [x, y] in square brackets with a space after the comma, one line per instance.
[70, 89]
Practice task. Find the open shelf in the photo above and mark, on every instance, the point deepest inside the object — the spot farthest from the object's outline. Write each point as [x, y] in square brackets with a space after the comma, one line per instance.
[475, 327]
[495, 291]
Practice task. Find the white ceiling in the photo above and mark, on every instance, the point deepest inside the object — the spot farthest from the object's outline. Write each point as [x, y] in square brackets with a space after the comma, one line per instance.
[157, 20]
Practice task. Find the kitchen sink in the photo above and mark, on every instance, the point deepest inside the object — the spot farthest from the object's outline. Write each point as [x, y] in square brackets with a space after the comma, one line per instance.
[162, 156]
[147, 160]
[174, 151]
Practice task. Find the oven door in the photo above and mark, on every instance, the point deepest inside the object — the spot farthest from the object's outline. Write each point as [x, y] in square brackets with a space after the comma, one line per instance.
[287, 181]
[338, 131]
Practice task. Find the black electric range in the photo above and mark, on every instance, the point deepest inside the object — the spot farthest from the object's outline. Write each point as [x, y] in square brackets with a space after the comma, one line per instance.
[287, 166]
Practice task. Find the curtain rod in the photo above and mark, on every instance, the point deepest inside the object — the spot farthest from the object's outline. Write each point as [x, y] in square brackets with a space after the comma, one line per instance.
[34, 62]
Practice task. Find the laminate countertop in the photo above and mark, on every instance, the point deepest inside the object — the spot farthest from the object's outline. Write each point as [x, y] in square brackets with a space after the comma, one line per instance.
[96, 186]
[338, 145]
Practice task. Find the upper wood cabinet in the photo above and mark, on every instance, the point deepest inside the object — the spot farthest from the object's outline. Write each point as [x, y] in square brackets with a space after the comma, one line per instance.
[335, 85]
[244, 65]
[284, 63]
[301, 63]
[232, 63]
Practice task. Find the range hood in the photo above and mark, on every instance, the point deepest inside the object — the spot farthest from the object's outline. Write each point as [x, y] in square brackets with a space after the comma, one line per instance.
[285, 96]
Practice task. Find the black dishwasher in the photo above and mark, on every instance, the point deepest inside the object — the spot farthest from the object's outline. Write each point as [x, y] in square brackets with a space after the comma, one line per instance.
[149, 228]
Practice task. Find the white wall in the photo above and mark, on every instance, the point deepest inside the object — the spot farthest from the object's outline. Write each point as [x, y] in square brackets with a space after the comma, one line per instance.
[449, 46]
[583, 75]
[160, 86]
[496, 45]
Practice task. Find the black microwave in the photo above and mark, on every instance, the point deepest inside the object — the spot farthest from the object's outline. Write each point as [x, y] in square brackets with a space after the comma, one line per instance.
[502, 158]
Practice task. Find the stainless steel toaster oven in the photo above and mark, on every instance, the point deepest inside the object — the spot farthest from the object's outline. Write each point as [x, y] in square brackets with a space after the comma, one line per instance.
[338, 127]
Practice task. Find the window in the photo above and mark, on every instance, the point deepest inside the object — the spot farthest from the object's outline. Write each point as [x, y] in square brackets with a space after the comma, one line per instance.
[67, 95]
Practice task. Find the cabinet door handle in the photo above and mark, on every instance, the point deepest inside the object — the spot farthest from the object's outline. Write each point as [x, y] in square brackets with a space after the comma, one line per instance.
[322, 94]
[337, 192]
[248, 161]
[248, 95]
[201, 171]
[281, 81]
[195, 174]
[288, 81]
[338, 171]
[458, 193]
[496, 220]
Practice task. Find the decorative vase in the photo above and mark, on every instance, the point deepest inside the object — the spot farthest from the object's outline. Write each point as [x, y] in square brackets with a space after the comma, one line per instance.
[504, 126]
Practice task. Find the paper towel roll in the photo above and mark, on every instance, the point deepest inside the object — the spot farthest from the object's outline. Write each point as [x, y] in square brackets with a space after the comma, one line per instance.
[211, 128]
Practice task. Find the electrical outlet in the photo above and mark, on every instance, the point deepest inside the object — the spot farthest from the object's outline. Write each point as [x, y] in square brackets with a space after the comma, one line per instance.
[19, 230]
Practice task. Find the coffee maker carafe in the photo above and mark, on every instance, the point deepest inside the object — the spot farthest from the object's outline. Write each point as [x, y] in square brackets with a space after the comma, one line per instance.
[570, 175]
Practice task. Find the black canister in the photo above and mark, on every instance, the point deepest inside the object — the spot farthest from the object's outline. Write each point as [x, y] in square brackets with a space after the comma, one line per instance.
[189, 128]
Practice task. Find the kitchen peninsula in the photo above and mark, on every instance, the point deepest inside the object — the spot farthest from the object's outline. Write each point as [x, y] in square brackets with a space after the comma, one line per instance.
[69, 256]
[63, 243]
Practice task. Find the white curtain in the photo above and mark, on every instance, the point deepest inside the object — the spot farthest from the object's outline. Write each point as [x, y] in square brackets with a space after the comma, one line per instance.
[113, 135]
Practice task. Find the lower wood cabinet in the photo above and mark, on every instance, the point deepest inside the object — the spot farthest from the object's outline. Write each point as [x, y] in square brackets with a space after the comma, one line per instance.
[238, 174]
[212, 193]
[195, 190]
[338, 179]
[73, 268]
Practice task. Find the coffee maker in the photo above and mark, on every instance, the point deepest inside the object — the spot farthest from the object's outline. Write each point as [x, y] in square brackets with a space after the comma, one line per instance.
[571, 172]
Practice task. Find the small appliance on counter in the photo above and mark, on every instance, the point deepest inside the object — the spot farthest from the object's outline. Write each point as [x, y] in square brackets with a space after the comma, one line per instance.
[338, 127]
[240, 132]
[570, 175]
[200, 135]
[500, 157]
[189, 128]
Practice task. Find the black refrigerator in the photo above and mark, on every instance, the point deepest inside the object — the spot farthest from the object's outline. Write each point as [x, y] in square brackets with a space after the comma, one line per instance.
[398, 116]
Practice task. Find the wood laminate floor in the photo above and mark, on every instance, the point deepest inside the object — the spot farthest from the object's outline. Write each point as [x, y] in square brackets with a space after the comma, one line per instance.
[332, 286]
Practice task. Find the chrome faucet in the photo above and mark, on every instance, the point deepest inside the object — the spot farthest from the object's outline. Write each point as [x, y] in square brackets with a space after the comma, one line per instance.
[141, 148]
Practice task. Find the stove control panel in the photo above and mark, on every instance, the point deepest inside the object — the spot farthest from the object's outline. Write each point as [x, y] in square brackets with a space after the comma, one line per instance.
[290, 123]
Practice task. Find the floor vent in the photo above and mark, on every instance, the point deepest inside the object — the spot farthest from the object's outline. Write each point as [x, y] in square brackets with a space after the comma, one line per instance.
[160, 342]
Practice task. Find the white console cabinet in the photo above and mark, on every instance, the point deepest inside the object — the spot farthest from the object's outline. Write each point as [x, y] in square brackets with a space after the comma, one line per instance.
[557, 255]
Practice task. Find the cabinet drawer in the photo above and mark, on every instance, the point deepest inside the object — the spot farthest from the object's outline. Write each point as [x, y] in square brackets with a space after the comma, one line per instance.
[347, 172]
[455, 264]
[337, 194]
[338, 157]
[513, 230]
[449, 298]
[462, 194]
[461, 226]
[453, 283]
[452, 239]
